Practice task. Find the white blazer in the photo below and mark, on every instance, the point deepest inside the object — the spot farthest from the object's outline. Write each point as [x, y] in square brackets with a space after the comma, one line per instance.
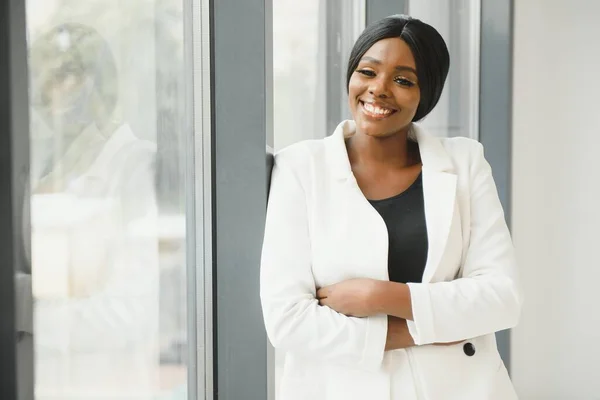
[320, 230]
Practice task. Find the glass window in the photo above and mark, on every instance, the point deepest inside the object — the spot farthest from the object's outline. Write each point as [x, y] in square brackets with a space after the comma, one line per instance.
[457, 113]
[311, 45]
[296, 72]
[109, 128]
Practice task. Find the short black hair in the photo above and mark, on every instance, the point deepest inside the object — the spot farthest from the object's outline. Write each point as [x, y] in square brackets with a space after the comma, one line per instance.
[428, 48]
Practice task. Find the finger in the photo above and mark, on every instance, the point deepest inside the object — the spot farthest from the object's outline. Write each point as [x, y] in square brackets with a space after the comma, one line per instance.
[322, 293]
[323, 302]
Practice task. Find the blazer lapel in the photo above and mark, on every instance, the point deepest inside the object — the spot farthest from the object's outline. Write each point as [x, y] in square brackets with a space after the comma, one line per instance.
[439, 192]
[439, 186]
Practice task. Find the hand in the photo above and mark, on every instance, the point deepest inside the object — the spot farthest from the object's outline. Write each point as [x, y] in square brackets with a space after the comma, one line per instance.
[352, 297]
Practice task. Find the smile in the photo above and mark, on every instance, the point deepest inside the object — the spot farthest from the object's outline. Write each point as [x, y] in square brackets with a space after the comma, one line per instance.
[374, 111]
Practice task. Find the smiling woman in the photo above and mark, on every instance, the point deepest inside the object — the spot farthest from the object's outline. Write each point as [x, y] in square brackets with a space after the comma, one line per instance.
[387, 265]
[409, 53]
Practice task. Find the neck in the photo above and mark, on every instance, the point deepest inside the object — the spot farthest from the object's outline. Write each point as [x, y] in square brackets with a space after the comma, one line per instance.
[390, 151]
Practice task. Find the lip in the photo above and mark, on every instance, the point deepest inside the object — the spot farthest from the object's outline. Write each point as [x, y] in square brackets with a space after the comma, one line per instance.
[372, 116]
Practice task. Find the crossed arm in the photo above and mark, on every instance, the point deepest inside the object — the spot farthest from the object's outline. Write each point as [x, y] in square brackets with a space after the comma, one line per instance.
[363, 297]
[367, 297]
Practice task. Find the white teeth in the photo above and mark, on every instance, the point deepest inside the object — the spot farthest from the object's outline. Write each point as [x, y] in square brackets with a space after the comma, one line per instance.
[376, 110]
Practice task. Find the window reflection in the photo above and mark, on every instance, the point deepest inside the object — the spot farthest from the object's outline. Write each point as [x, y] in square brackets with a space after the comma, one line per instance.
[108, 231]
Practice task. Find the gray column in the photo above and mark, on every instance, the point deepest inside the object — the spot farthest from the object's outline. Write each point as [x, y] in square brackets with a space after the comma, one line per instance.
[16, 327]
[495, 102]
[240, 119]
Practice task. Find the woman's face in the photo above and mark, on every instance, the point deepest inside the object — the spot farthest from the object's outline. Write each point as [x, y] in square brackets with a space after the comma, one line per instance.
[383, 90]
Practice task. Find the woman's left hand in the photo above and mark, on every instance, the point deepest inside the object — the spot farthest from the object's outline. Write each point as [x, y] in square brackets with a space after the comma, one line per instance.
[353, 297]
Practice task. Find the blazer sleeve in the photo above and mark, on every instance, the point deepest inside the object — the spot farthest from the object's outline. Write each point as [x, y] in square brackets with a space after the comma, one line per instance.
[486, 298]
[294, 319]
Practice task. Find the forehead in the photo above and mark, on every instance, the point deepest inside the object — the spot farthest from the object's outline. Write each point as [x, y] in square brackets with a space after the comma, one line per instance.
[393, 52]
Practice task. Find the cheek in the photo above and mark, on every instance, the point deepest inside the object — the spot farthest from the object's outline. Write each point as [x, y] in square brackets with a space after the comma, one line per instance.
[408, 99]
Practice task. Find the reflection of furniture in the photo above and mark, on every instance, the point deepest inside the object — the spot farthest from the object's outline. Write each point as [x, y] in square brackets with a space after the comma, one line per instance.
[73, 240]
[171, 235]
[96, 291]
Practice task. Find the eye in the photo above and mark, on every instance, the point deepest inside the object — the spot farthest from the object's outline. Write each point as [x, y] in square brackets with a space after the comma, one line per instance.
[404, 82]
[366, 72]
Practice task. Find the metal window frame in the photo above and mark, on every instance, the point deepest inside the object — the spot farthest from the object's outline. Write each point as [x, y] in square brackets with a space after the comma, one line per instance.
[188, 138]
[16, 341]
[204, 198]
[198, 199]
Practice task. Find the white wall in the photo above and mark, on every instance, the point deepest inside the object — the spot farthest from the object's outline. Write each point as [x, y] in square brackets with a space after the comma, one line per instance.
[556, 198]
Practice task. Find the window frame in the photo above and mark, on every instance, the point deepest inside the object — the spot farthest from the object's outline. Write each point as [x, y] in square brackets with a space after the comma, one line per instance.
[16, 307]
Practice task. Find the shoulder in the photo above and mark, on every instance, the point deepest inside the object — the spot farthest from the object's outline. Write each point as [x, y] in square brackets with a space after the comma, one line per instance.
[300, 157]
[464, 152]
[461, 146]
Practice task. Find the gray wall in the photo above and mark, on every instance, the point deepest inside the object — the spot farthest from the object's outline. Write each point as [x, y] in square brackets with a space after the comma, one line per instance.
[556, 198]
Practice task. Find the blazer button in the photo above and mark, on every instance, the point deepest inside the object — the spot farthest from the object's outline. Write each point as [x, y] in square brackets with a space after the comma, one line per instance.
[469, 349]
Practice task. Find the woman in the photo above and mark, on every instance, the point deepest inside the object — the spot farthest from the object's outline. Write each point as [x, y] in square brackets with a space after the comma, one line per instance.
[387, 264]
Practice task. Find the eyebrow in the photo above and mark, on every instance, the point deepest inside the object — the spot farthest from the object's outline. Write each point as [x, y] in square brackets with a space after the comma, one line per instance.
[398, 67]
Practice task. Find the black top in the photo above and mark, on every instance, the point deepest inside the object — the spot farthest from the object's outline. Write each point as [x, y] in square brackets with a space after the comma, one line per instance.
[404, 216]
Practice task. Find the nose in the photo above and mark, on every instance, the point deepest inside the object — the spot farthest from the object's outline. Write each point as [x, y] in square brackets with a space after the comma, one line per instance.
[378, 88]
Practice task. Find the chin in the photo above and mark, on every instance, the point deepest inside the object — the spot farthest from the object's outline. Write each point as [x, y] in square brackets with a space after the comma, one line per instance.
[376, 129]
